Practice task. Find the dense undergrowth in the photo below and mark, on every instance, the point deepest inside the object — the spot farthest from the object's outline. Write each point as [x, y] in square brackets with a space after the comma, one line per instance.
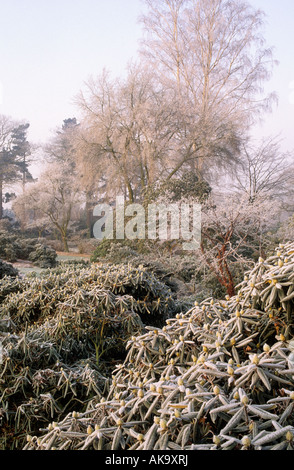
[104, 357]
[14, 247]
[62, 333]
[6, 269]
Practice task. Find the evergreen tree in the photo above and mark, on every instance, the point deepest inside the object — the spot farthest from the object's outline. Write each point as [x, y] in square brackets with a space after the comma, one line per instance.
[14, 150]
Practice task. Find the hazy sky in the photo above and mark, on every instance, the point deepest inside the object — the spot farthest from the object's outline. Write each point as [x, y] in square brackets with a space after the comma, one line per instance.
[48, 48]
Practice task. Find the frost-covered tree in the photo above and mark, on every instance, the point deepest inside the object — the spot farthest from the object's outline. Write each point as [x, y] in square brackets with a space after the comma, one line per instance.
[264, 170]
[212, 54]
[128, 126]
[14, 150]
[52, 200]
[233, 231]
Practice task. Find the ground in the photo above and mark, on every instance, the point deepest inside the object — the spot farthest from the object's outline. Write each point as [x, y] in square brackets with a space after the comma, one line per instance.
[26, 267]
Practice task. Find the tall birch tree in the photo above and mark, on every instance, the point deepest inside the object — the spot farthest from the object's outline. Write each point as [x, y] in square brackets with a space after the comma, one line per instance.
[213, 55]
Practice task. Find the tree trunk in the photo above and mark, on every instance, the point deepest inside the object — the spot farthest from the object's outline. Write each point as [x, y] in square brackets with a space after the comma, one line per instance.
[24, 180]
[231, 289]
[63, 233]
[222, 272]
[130, 190]
[65, 242]
[89, 211]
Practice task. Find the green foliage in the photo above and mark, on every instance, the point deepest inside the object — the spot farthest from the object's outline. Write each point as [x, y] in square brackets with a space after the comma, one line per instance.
[62, 334]
[106, 354]
[121, 251]
[74, 263]
[217, 377]
[7, 269]
[43, 256]
[13, 165]
[187, 186]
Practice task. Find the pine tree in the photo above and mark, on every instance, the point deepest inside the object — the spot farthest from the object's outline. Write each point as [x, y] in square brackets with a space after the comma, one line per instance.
[14, 150]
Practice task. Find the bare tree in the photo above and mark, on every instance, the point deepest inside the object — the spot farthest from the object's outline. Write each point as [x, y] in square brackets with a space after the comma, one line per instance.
[186, 106]
[232, 228]
[212, 53]
[52, 200]
[263, 170]
[129, 127]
